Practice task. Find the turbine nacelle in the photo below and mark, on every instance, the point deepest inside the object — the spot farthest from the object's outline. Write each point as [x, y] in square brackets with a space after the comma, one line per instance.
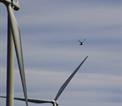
[14, 3]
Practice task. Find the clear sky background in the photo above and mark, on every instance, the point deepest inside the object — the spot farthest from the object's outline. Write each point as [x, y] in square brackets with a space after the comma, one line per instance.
[50, 33]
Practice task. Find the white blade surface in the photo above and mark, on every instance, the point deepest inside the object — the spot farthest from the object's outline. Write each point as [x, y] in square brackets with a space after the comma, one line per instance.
[68, 80]
[18, 49]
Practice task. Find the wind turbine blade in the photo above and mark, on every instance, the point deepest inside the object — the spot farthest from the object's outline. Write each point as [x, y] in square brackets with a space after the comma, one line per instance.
[30, 100]
[68, 80]
[33, 100]
[18, 49]
[2, 97]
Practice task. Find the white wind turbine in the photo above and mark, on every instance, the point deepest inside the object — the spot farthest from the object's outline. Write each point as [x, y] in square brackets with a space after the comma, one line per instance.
[54, 101]
[14, 40]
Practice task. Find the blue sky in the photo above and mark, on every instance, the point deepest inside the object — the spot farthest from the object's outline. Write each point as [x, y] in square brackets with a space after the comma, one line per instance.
[50, 33]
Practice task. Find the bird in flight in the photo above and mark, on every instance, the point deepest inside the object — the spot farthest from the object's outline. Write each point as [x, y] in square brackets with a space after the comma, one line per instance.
[82, 42]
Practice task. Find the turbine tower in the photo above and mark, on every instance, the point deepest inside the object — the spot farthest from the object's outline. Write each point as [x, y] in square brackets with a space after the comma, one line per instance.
[62, 88]
[14, 40]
